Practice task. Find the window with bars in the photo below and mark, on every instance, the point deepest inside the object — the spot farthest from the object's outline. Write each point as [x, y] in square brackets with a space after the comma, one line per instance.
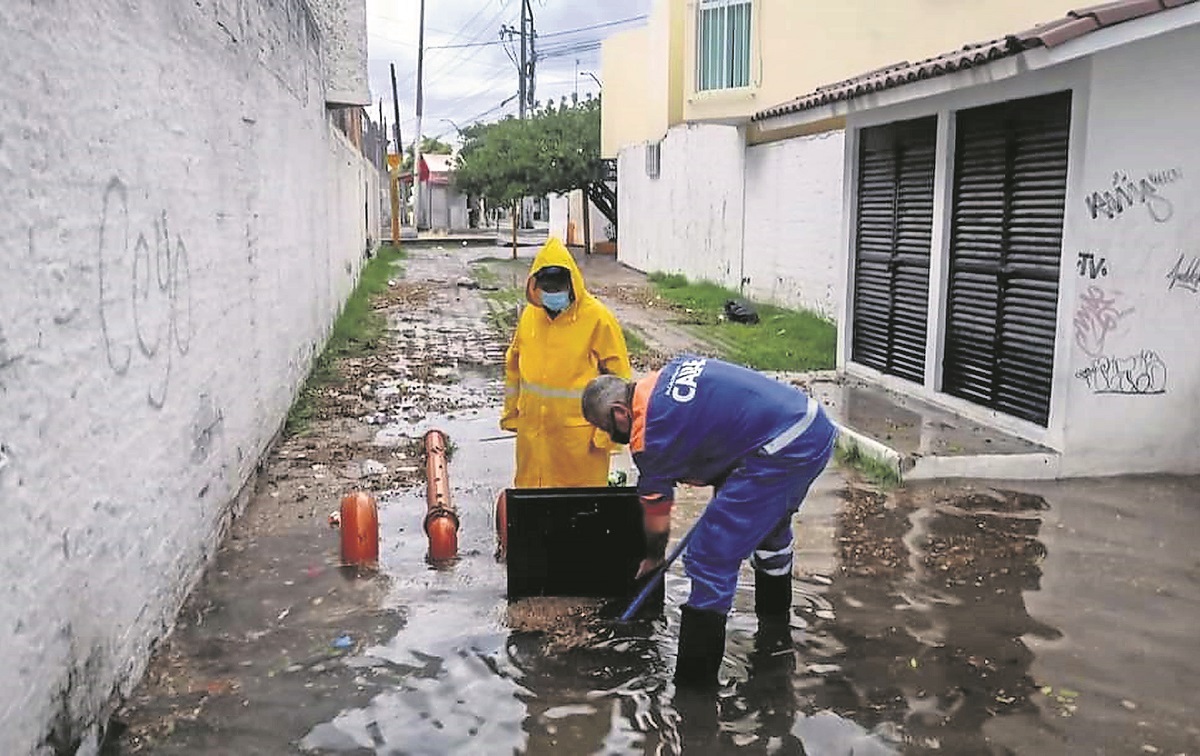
[722, 44]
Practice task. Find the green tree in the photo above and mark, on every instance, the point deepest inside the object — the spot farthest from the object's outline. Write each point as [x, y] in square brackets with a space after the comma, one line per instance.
[554, 151]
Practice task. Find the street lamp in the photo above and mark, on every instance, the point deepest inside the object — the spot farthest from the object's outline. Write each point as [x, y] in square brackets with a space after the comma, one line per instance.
[455, 125]
[589, 73]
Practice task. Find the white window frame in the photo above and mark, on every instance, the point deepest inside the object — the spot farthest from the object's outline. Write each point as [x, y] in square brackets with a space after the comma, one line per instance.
[735, 61]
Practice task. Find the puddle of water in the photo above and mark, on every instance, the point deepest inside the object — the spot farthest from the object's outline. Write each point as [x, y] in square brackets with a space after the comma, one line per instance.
[465, 682]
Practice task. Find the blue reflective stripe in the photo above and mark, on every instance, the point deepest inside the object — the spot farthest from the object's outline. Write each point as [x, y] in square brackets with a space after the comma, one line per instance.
[794, 432]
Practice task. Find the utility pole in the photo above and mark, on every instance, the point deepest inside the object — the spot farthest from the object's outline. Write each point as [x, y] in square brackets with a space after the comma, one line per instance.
[522, 91]
[420, 111]
[397, 200]
[383, 139]
[531, 87]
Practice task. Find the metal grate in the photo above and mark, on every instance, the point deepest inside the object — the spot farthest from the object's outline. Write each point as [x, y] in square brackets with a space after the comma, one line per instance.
[892, 250]
[1010, 184]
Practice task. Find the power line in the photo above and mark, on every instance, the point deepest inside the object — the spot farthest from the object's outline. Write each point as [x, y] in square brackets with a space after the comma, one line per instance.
[549, 34]
[604, 25]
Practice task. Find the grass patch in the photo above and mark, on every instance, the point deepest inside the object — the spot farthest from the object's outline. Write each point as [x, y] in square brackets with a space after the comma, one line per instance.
[357, 331]
[782, 339]
[635, 344]
[881, 473]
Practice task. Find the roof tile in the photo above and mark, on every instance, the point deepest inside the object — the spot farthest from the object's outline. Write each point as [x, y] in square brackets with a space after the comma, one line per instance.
[1075, 24]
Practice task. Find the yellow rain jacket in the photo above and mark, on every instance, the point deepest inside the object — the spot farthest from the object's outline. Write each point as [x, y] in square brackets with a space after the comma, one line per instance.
[546, 369]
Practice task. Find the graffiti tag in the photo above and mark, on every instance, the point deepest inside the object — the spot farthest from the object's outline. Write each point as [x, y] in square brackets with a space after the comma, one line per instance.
[145, 293]
[1096, 317]
[1091, 266]
[1126, 193]
[1143, 373]
[1185, 277]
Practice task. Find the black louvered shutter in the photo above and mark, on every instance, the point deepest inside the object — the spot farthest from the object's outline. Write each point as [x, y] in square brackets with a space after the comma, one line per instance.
[894, 234]
[1010, 185]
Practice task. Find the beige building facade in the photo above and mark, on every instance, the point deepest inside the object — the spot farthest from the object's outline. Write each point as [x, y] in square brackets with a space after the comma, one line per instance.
[720, 61]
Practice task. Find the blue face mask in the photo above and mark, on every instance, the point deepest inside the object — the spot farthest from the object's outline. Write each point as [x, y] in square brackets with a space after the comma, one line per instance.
[556, 301]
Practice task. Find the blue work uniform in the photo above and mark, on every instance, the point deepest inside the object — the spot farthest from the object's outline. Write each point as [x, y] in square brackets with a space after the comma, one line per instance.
[759, 442]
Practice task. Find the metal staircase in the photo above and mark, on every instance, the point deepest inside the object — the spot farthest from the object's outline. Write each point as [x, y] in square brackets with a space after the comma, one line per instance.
[602, 195]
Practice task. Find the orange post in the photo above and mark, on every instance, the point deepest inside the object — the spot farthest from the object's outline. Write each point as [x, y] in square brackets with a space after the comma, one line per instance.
[360, 530]
[502, 525]
[441, 520]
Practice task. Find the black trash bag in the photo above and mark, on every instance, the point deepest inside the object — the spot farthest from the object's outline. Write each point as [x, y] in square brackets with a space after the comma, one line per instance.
[740, 312]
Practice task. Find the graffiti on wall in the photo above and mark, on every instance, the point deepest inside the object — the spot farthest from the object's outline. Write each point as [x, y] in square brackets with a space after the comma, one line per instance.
[1092, 266]
[1142, 373]
[1097, 316]
[1185, 274]
[1127, 193]
[145, 294]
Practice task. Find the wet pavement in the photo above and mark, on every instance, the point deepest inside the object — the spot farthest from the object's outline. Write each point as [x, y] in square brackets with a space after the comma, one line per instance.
[922, 440]
[955, 618]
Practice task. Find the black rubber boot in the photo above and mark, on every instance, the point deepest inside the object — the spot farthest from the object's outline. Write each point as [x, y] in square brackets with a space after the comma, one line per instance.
[701, 648]
[772, 595]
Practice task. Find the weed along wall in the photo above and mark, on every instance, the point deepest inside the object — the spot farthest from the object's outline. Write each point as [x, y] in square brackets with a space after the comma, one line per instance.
[180, 227]
[1131, 265]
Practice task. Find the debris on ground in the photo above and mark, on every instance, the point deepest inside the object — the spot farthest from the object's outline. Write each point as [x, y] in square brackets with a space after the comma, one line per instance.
[739, 311]
[563, 623]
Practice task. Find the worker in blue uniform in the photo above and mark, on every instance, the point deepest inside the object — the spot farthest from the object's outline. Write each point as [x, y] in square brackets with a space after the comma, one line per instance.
[760, 444]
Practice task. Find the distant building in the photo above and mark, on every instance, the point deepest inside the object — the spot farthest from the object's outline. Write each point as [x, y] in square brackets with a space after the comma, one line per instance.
[442, 207]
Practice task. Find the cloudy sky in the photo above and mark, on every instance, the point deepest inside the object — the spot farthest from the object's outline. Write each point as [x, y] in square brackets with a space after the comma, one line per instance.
[466, 80]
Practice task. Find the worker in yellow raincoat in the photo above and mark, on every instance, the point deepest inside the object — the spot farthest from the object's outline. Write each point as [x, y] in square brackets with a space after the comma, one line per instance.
[564, 338]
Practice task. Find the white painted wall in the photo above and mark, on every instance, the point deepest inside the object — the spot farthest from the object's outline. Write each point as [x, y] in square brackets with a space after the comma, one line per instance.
[793, 222]
[343, 49]
[1138, 319]
[566, 210]
[689, 219]
[171, 256]
[560, 211]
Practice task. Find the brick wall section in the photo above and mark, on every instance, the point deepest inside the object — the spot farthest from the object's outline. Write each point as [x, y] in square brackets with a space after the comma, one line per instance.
[180, 226]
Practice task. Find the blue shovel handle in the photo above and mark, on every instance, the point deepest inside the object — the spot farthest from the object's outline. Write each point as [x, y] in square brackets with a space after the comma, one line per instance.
[657, 577]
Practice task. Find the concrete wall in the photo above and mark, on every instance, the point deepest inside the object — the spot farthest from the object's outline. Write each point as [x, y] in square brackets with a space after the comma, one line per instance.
[344, 49]
[566, 218]
[180, 227]
[768, 215]
[793, 222]
[1132, 382]
[689, 219]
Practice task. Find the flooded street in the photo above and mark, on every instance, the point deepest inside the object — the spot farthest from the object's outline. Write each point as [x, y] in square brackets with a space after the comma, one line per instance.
[939, 618]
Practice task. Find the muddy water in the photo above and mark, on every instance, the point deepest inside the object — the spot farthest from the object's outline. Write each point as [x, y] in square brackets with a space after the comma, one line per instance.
[1048, 618]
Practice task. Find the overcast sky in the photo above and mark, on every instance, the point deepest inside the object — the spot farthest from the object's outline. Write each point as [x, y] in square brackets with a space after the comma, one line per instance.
[465, 84]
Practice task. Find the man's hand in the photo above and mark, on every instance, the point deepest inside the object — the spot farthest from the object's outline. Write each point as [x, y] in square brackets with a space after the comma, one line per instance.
[647, 567]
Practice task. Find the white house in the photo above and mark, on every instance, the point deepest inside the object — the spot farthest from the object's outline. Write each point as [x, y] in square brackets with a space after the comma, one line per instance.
[442, 208]
[1021, 237]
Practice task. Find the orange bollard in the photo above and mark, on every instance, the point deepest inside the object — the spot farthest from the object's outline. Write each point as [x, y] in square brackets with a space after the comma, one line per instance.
[360, 529]
[441, 521]
[502, 525]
